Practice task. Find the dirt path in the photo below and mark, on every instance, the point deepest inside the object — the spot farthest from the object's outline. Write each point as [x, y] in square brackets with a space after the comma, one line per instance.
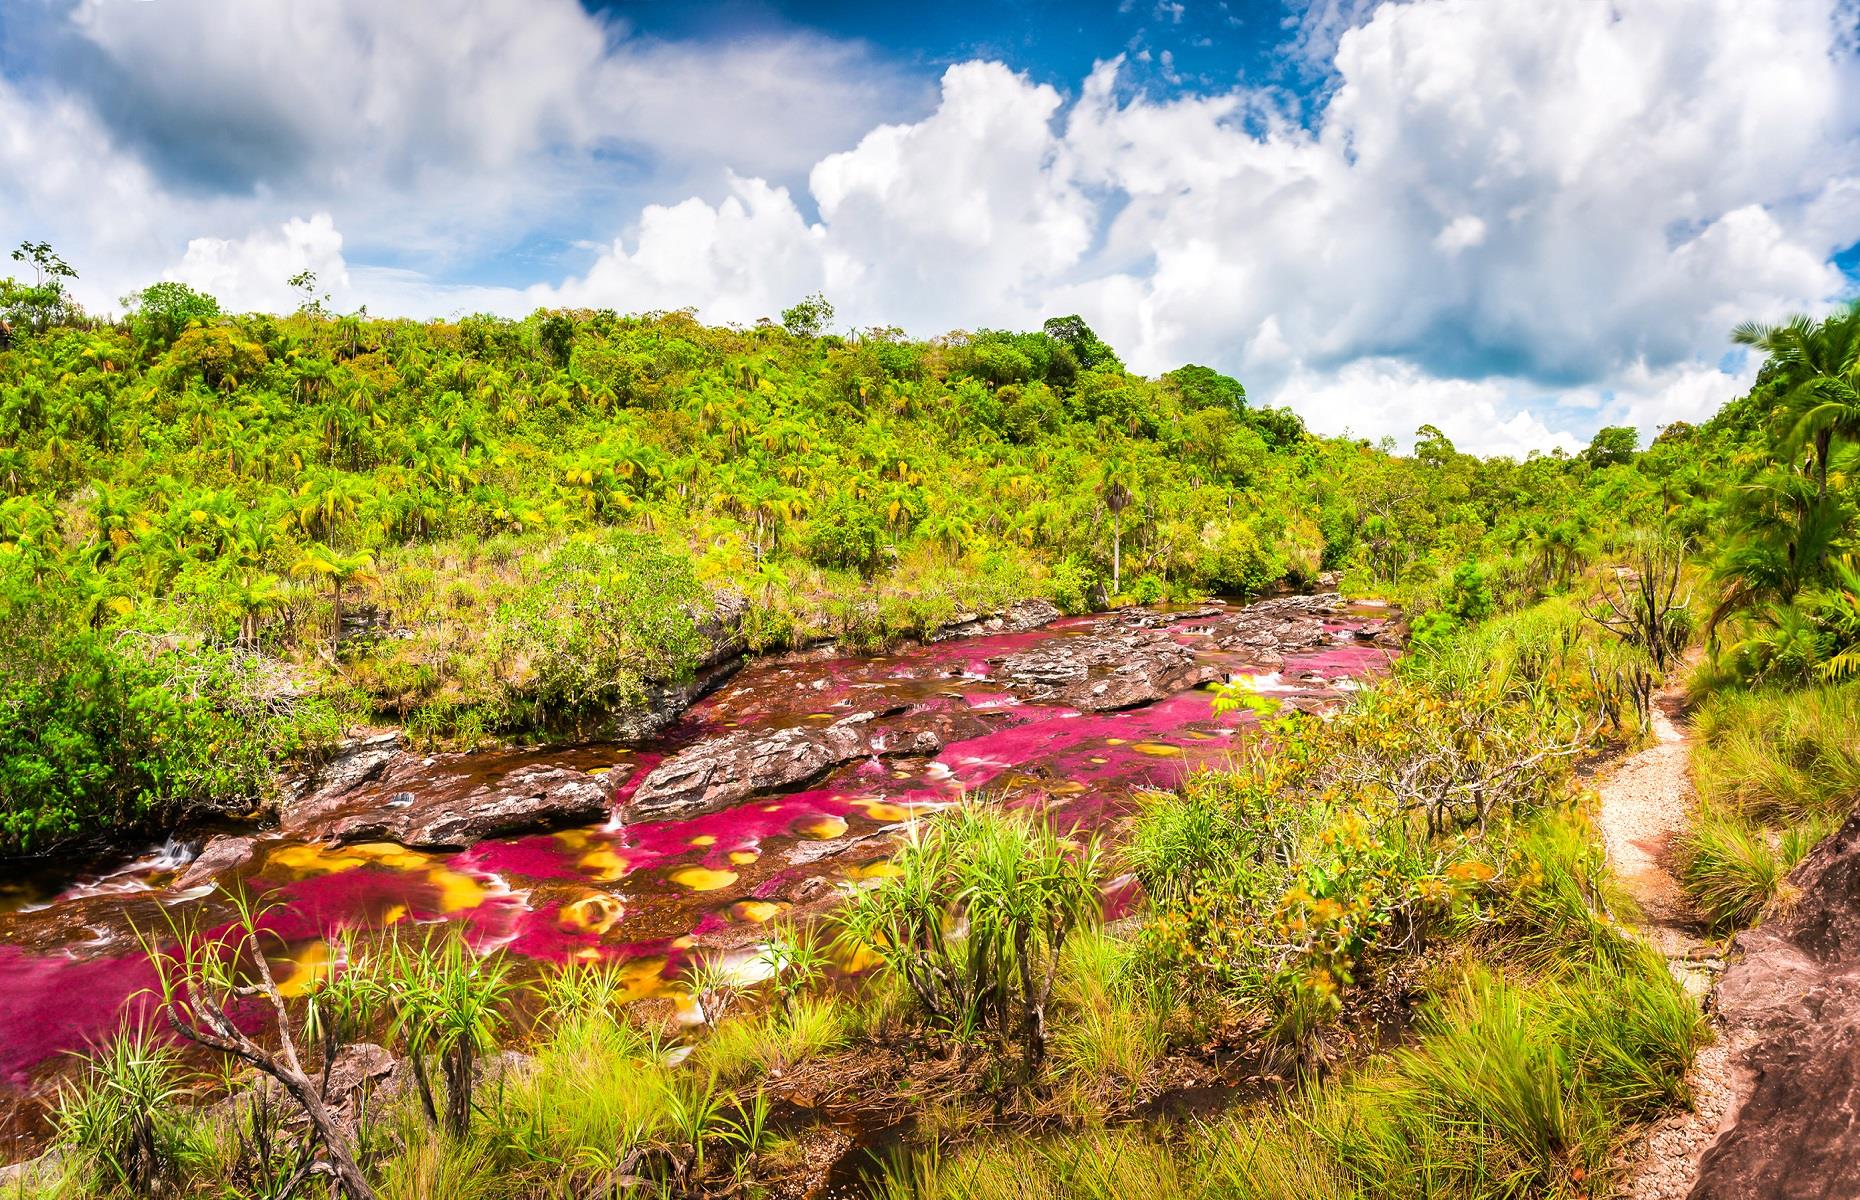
[1646, 803]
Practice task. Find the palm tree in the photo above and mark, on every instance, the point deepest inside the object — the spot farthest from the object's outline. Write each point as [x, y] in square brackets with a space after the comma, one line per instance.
[1814, 368]
[321, 562]
[253, 594]
[1117, 498]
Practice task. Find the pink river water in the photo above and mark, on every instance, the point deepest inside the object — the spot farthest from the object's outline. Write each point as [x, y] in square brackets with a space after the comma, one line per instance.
[647, 894]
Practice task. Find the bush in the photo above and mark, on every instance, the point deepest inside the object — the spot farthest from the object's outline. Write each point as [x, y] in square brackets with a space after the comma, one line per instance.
[121, 1119]
[1075, 586]
[128, 733]
[1235, 562]
[603, 617]
[976, 921]
[1733, 870]
[846, 533]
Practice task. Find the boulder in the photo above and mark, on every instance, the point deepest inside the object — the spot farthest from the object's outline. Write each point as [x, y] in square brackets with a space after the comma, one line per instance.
[715, 773]
[1015, 618]
[459, 812]
[1789, 1004]
[1114, 666]
[355, 762]
[222, 854]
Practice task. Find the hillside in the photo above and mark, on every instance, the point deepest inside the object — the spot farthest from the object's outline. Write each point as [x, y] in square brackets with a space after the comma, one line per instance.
[511, 529]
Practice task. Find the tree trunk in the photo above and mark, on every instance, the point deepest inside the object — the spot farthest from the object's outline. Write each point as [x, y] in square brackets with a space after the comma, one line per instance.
[1117, 553]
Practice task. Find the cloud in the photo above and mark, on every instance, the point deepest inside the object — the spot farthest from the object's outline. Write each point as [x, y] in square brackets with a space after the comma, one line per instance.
[442, 136]
[1518, 222]
[249, 274]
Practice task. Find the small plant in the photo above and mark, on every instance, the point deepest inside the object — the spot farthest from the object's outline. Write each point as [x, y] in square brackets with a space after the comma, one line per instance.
[448, 1006]
[577, 990]
[795, 961]
[204, 977]
[977, 918]
[119, 1118]
[715, 985]
[748, 1130]
[695, 1114]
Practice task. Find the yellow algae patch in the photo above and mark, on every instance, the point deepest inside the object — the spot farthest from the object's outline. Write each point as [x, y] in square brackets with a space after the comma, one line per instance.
[597, 772]
[574, 839]
[771, 808]
[702, 879]
[684, 943]
[759, 911]
[824, 830]
[309, 966]
[1115, 741]
[1202, 737]
[877, 870]
[820, 716]
[743, 858]
[457, 891]
[704, 839]
[603, 864]
[1157, 749]
[391, 854]
[1070, 787]
[643, 977]
[862, 957]
[1099, 761]
[314, 860]
[593, 914]
[878, 810]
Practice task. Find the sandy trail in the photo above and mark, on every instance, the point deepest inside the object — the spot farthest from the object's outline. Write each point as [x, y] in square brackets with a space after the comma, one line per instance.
[1646, 803]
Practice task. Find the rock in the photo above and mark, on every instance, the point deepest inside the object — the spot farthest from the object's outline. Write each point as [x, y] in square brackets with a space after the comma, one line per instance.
[1789, 1004]
[1112, 667]
[359, 1070]
[355, 762]
[1016, 618]
[35, 1176]
[713, 774]
[221, 855]
[528, 797]
[662, 704]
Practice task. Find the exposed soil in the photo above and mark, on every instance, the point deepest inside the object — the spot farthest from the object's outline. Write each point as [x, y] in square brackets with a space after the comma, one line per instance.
[1647, 801]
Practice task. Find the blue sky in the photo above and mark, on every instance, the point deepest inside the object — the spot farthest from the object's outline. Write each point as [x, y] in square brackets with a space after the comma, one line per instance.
[1211, 45]
[1516, 220]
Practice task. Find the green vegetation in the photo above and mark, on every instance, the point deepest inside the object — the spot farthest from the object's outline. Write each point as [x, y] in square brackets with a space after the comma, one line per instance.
[231, 535]
[510, 529]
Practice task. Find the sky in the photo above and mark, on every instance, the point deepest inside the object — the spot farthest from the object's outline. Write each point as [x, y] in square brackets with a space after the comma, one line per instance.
[1518, 220]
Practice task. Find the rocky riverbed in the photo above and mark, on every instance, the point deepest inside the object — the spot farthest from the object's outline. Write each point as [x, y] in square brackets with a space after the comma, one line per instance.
[770, 796]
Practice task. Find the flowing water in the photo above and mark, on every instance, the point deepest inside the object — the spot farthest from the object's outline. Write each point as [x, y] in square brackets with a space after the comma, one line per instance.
[651, 894]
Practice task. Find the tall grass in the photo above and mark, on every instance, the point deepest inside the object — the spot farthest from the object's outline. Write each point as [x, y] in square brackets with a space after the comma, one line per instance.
[1776, 771]
[593, 1091]
[121, 1120]
[1515, 1088]
[1112, 1026]
[1779, 757]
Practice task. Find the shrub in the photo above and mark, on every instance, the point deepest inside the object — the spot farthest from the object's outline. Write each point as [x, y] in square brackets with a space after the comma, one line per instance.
[121, 1118]
[603, 617]
[1014, 889]
[846, 533]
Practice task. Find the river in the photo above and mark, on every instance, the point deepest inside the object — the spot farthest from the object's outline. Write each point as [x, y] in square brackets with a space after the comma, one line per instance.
[1021, 718]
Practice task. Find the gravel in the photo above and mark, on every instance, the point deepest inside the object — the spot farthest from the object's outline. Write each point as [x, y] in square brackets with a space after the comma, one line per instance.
[1646, 803]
